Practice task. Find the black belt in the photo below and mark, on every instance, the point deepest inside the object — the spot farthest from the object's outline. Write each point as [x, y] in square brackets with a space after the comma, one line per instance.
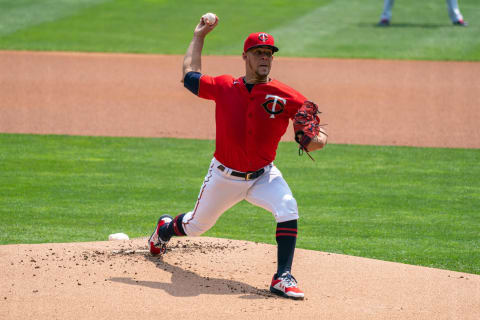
[249, 175]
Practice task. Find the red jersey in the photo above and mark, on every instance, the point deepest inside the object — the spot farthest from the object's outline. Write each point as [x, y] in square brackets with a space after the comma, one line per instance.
[249, 125]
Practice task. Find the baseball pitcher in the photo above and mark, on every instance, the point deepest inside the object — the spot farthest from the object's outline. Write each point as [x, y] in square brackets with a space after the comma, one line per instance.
[252, 113]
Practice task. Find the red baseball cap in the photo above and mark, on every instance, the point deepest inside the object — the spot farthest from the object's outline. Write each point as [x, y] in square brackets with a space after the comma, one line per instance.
[259, 39]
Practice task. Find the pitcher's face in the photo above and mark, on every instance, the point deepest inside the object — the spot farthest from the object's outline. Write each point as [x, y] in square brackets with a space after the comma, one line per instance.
[258, 61]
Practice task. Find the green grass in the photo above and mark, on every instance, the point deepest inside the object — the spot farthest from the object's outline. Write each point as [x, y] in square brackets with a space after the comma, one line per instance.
[310, 28]
[22, 14]
[412, 205]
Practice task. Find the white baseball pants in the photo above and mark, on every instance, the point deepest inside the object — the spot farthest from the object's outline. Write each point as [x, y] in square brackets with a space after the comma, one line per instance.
[220, 191]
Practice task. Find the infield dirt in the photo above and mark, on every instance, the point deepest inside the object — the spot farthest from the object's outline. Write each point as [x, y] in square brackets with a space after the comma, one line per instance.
[207, 278]
[378, 102]
[364, 102]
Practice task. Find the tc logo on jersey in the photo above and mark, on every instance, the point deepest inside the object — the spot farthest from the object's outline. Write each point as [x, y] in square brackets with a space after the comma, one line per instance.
[274, 105]
[263, 37]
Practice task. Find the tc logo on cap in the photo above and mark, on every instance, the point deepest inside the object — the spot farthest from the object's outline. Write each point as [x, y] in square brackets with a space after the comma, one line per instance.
[263, 37]
[259, 39]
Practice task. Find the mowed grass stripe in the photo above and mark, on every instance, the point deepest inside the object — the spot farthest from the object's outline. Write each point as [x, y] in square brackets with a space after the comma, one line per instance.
[21, 14]
[144, 26]
[347, 29]
[411, 205]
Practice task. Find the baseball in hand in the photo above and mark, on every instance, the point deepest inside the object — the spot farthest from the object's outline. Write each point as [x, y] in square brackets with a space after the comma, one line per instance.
[209, 18]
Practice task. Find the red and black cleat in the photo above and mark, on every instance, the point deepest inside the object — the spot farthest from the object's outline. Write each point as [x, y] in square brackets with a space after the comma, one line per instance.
[156, 245]
[286, 286]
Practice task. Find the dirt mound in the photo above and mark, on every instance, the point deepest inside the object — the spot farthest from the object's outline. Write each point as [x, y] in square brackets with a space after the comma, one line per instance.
[208, 278]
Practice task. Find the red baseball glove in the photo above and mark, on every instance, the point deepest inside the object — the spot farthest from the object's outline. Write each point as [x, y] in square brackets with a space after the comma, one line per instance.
[306, 125]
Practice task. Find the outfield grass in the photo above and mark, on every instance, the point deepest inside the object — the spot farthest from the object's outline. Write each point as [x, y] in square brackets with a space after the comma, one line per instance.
[311, 28]
[412, 205]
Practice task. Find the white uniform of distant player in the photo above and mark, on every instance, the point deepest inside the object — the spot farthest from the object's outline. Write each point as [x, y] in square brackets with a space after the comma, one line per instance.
[452, 5]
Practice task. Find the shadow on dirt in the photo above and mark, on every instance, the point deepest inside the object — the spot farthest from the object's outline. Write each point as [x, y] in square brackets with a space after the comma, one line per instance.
[186, 283]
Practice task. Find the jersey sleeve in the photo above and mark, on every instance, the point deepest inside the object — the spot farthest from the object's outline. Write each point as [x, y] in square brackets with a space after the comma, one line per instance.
[297, 103]
[201, 85]
[208, 87]
[205, 86]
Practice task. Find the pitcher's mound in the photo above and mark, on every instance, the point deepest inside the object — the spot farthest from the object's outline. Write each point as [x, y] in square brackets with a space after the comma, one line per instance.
[208, 278]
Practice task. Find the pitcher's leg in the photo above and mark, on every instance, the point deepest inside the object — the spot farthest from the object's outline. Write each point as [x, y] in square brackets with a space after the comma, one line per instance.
[216, 195]
[272, 193]
[286, 236]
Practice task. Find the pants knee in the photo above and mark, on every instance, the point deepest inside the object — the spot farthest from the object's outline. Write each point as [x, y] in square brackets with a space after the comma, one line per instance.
[287, 209]
[193, 226]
